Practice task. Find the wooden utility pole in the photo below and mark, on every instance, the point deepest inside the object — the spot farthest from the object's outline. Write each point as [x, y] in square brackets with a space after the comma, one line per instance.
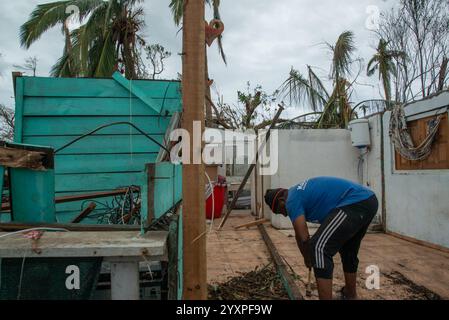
[193, 88]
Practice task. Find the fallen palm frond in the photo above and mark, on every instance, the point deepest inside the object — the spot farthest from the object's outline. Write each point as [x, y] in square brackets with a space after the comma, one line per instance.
[261, 284]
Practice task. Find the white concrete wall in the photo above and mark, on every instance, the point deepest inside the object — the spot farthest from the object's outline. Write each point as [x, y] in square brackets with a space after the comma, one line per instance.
[372, 174]
[305, 154]
[417, 202]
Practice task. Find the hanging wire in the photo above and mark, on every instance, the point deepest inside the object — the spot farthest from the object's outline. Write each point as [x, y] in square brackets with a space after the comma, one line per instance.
[106, 126]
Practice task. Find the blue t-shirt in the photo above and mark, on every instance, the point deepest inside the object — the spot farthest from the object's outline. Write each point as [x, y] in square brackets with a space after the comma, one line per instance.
[316, 198]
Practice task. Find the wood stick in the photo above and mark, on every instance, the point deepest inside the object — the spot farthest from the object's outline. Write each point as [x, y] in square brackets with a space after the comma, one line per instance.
[18, 158]
[10, 227]
[81, 197]
[289, 283]
[250, 170]
[85, 213]
[252, 224]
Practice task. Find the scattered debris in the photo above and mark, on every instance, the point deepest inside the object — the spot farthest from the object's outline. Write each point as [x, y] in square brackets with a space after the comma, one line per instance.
[417, 292]
[261, 284]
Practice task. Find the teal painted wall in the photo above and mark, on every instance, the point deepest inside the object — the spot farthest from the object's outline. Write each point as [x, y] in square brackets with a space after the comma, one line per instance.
[2, 175]
[52, 112]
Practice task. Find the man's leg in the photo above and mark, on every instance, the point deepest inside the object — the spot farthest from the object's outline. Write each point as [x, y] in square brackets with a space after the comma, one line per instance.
[324, 288]
[349, 258]
[324, 245]
[365, 210]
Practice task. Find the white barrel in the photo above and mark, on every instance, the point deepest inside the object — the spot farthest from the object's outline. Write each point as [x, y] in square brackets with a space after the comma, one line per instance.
[360, 133]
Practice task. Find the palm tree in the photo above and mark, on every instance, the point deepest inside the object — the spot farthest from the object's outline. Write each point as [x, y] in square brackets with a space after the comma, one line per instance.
[383, 62]
[334, 108]
[108, 40]
[177, 8]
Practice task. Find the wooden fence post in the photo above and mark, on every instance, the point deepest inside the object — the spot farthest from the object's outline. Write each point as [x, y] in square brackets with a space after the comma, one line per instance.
[193, 87]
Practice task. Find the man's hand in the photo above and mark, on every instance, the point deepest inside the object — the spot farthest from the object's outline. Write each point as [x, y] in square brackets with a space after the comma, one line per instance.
[303, 239]
[306, 254]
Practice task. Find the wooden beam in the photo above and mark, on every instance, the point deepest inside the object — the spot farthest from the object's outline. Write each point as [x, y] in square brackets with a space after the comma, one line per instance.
[81, 197]
[11, 227]
[113, 246]
[288, 281]
[127, 84]
[85, 213]
[250, 170]
[252, 224]
[19, 158]
[193, 87]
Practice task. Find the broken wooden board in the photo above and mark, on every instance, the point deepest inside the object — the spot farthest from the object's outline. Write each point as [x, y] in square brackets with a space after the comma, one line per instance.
[109, 245]
[252, 224]
[16, 158]
[14, 226]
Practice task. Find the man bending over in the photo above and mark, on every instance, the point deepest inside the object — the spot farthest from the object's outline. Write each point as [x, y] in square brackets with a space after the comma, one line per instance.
[344, 209]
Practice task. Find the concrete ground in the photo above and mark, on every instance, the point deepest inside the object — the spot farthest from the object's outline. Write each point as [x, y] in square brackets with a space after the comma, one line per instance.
[407, 271]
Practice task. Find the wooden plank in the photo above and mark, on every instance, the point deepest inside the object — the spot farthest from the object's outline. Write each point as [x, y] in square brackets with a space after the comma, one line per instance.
[288, 281]
[70, 106]
[85, 213]
[243, 185]
[194, 218]
[152, 245]
[439, 157]
[100, 88]
[18, 158]
[79, 197]
[136, 91]
[252, 224]
[13, 226]
[76, 126]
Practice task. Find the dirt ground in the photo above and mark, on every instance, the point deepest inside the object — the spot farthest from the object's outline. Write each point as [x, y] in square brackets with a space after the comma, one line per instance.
[408, 271]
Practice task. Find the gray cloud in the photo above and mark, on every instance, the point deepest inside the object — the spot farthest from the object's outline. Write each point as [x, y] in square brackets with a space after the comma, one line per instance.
[263, 39]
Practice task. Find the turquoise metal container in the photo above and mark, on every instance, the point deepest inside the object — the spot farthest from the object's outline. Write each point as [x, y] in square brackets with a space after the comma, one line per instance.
[33, 196]
[32, 192]
[2, 175]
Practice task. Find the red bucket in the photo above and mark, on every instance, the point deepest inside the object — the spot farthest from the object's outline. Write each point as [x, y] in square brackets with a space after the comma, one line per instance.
[219, 200]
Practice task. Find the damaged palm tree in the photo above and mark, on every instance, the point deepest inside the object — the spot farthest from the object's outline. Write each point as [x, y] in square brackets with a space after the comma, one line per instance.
[333, 108]
[107, 40]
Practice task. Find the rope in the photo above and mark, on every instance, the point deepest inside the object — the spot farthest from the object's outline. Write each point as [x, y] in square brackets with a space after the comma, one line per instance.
[402, 139]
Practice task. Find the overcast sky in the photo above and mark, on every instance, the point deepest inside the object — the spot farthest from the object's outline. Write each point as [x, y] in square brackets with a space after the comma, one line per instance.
[262, 40]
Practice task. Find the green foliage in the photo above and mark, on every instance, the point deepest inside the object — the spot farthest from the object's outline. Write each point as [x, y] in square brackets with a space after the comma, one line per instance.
[108, 38]
[335, 108]
[383, 62]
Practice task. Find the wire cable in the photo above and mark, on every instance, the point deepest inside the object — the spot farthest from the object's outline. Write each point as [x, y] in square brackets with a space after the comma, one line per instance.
[106, 126]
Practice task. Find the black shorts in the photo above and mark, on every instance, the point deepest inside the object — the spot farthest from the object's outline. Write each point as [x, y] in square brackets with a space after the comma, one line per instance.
[342, 231]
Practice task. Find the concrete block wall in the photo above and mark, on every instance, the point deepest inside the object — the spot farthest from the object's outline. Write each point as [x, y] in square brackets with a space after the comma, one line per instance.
[417, 202]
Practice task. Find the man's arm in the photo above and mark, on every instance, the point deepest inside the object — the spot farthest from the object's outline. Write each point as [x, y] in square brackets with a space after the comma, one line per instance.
[302, 239]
